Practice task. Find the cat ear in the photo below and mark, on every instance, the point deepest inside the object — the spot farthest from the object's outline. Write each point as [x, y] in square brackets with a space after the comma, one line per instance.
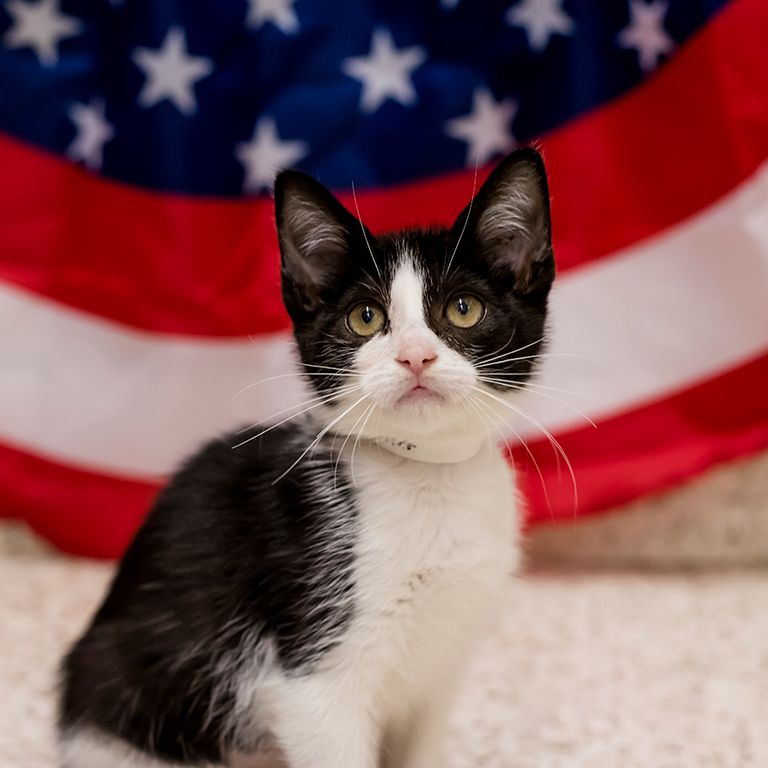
[508, 226]
[316, 235]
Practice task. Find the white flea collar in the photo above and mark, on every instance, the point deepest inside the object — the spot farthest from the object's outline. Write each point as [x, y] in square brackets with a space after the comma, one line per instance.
[441, 450]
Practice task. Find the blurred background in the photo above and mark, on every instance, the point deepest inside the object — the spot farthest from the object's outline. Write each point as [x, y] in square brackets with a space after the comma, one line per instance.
[139, 301]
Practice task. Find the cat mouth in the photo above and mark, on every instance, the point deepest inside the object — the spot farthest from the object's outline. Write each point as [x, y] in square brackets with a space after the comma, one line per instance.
[419, 394]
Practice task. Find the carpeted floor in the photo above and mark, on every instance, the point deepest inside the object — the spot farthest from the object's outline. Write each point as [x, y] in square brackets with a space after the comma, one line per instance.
[607, 669]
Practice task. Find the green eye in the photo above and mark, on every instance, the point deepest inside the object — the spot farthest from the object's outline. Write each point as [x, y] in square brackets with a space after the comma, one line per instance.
[465, 311]
[365, 319]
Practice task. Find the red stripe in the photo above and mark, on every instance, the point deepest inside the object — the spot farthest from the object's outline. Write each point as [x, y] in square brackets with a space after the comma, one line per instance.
[202, 266]
[83, 512]
[627, 456]
[651, 448]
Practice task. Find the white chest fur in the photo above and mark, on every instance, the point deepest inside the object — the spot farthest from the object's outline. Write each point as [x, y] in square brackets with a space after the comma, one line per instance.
[437, 543]
[435, 547]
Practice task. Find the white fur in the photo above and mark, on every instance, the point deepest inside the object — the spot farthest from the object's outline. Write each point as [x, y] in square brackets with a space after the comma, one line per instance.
[406, 304]
[88, 748]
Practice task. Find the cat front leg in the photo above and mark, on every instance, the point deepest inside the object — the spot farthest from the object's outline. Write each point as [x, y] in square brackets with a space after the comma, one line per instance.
[420, 743]
[320, 728]
[88, 747]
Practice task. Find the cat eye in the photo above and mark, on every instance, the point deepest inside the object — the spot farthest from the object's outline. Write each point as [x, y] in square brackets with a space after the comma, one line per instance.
[465, 311]
[365, 319]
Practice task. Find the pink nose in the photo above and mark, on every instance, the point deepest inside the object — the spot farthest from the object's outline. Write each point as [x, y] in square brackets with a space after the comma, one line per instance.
[416, 356]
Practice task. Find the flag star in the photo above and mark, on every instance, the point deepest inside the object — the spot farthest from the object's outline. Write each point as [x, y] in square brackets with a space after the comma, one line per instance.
[449, 5]
[39, 25]
[93, 132]
[385, 72]
[171, 73]
[280, 12]
[486, 128]
[646, 33]
[541, 19]
[266, 154]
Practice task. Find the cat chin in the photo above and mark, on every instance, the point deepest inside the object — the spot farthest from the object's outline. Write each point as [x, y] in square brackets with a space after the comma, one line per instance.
[420, 398]
[425, 418]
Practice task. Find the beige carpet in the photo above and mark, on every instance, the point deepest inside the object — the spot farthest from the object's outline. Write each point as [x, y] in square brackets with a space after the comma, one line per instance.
[589, 670]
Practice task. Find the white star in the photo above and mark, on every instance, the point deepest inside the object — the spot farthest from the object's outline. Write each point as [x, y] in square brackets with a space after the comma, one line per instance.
[646, 33]
[265, 154]
[541, 19]
[279, 12]
[93, 132]
[41, 26]
[171, 73]
[486, 128]
[449, 5]
[385, 72]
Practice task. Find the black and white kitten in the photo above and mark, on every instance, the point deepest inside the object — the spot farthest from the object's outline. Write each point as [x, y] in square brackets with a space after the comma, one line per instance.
[311, 597]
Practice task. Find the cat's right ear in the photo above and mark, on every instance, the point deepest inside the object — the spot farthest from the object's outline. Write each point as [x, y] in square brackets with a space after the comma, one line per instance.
[316, 236]
[508, 224]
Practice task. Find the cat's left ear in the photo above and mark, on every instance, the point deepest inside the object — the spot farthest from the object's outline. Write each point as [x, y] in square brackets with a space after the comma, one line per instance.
[508, 225]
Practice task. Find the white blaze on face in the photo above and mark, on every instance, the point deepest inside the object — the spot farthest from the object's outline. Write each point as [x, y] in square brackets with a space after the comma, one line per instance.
[413, 342]
[391, 362]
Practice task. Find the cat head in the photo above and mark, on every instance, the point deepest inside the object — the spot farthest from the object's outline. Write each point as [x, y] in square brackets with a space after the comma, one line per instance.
[419, 333]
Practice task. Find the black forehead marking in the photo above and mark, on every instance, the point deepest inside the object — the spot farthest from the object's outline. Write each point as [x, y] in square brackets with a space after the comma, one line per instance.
[431, 252]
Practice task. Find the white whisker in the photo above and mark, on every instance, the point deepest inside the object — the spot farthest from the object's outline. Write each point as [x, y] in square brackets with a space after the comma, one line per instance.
[526, 388]
[504, 380]
[296, 374]
[319, 437]
[327, 368]
[494, 356]
[468, 398]
[499, 349]
[466, 221]
[365, 235]
[495, 416]
[322, 401]
[371, 408]
[549, 354]
[346, 439]
[555, 444]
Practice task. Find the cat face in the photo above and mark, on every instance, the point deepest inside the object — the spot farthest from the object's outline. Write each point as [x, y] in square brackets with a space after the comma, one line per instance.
[422, 331]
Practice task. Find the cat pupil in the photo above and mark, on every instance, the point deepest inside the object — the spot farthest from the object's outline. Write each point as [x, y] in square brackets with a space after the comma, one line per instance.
[462, 306]
[367, 315]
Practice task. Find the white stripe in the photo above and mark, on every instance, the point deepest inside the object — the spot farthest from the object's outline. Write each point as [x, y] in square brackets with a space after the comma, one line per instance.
[94, 393]
[658, 317]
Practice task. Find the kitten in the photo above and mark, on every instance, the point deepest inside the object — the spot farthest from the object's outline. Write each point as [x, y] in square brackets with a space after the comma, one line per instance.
[312, 595]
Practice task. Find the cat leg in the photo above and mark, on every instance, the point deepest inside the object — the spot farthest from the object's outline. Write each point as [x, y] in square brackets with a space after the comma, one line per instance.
[318, 728]
[90, 748]
[421, 742]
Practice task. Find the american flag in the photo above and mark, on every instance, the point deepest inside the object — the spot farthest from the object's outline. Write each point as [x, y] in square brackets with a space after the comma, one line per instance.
[138, 261]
